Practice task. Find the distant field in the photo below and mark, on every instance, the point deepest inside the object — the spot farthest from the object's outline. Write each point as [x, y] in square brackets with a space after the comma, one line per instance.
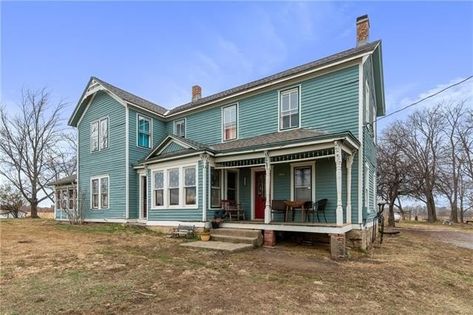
[48, 267]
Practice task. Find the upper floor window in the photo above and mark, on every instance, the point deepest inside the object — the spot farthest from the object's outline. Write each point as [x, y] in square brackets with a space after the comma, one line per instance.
[99, 192]
[289, 109]
[99, 134]
[144, 132]
[180, 128]
[230, 122]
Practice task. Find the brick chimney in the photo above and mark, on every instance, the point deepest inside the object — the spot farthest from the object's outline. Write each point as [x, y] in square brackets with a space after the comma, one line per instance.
[362, 30]
[196, 93]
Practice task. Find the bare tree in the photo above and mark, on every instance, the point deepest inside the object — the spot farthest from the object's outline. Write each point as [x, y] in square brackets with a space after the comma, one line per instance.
[28, 145]
[11, 200]
[391, 171]
[419, 138]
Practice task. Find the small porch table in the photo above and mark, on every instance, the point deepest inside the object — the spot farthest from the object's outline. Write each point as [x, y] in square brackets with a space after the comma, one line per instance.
[293, 205]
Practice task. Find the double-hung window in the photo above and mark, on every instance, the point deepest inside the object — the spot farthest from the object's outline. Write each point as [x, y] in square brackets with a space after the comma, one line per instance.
[99, 192]
[144, 132]
[180, 128]
[99, 135]
[189, 185]
[215, 183]
[173, 187]
[289, 109]
[158, 188]
[230, 122]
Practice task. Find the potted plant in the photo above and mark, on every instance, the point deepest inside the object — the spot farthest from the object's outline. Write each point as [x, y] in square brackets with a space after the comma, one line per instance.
[205, 235]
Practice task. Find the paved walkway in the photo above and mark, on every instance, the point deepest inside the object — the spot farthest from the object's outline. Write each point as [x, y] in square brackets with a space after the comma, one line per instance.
[215, 245]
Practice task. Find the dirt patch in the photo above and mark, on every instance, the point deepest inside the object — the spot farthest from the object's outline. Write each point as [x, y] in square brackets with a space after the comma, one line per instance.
[106, 269]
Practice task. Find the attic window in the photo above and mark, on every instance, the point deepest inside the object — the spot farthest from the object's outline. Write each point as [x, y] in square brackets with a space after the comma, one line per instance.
[180, 128]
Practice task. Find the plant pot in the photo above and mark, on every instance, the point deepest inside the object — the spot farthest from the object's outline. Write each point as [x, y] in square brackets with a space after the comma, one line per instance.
[205, 237]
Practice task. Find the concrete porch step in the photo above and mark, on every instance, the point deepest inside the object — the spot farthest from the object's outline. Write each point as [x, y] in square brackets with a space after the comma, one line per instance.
[236, 232]
[236, 239]
[215, 245]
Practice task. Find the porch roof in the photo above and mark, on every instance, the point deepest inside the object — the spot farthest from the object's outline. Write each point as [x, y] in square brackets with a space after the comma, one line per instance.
[275, 140]
[65, 181]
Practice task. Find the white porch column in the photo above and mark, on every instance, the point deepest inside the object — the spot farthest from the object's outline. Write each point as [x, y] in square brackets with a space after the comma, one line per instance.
[349, 165]
[205, 177]
[267, 168]
[338, 174]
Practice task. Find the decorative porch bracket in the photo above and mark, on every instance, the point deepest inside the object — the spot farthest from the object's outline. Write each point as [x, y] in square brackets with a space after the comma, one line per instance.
[338, 174]
[267, 168]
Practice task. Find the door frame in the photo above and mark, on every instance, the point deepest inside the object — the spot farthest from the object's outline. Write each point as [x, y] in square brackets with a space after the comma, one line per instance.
[252, 194]
[140, 210]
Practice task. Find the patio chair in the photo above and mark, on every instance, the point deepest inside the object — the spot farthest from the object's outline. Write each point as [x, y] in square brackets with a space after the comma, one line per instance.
[278, 206]
[233, 210]
[318, 207]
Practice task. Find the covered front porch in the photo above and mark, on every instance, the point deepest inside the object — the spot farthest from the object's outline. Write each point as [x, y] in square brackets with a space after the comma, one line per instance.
[305, 187]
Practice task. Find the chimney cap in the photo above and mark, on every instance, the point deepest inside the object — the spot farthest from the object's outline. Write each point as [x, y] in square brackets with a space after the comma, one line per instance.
[362, 17]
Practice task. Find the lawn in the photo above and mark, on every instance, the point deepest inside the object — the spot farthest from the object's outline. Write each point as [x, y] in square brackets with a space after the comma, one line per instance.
[47, 267]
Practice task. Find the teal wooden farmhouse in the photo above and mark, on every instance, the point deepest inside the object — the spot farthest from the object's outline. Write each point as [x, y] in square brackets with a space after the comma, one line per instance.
[294, 151]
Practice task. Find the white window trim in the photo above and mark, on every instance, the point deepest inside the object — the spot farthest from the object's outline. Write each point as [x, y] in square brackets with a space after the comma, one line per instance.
[184, 185]
[138, 116]
[304, 164]
[98, 134]
[174, 128]
[280, 91]
[181, 204]
[237, 105]
[100, 192]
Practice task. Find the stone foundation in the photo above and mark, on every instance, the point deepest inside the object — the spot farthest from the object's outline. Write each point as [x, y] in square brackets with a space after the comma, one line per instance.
[269, 238]
[337, 246]
[361, 239]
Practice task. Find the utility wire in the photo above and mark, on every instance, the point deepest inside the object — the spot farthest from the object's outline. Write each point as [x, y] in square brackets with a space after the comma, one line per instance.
[425, 98]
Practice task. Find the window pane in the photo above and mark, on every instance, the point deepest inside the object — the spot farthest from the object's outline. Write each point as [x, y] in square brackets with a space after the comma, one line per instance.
[190, 196]
[58, 199]
[189, 176]
[294, 104]
[285, 122]
[104, 133]
[285, 102]
[95, 186]
[158, 180]
[174, 196]
[230, 132]
[295, 120]
[303, 183]
[143, 125]
[104, 192]
[64, 199]
[215, 177]
[158, 197]
[303, 194]
[104, 200]
[174, 177]
[94, 136]
[180, 128]
[230, 122]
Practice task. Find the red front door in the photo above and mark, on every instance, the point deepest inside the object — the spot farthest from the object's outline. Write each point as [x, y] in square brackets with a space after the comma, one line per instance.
[260, 195]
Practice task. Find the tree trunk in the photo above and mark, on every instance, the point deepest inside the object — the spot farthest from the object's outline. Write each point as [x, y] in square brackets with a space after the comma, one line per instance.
[431, 213]
[454, 211]
[391, 214]
[34, 210]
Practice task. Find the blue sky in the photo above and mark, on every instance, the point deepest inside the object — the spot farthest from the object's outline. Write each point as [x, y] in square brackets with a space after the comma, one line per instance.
[158, 50]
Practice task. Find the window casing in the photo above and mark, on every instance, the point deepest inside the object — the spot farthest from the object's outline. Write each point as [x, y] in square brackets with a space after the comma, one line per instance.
[158, 188]
[230, 122]
[99, 134]
[190, 186]
[144, 132]
[173, 186]
[180, 128]
[216, 187]
[100, 192]
[289, 109]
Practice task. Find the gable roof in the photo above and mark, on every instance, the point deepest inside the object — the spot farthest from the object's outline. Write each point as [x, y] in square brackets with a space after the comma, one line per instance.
[127, 97]
[187, 145]
[123, 95]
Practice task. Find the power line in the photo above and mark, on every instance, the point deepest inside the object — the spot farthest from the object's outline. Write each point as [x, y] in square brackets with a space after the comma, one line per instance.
[425, 98]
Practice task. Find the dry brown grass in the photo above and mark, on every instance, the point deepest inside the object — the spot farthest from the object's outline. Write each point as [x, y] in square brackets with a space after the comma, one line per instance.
[48, 267]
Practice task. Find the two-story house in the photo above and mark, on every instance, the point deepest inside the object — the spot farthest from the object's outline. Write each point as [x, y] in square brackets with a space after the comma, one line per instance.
[302, 135]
